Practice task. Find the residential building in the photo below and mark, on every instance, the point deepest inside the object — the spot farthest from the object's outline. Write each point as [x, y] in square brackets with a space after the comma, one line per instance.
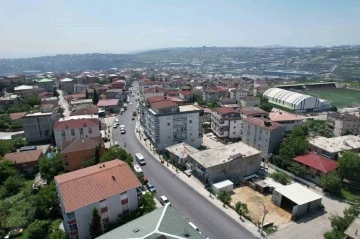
[111, 105]
[178, 153]
[186, 95]
[46, 84]
[318, 165]
[343, 123]
[226, 123]
[260, 83]
[110, 187]
[263, 135]
[150, 84]
[250, 101]
[290, 121]
[214, 93]
[50, 100]
[80, 88]
[253, 112]
[332, 147]
[76, 104]
[166, 123]
[258, 91]
[67, 85]
[116, 94]
[118, 84]
[38, 126]
[26, 91]
[25, 161]
[164, 222]
[352, 232]
[76, 151]
[8, 99]
[227, 101]
[78, 96]
[69, 129]
[154, 91]
[234, 162]
[90, 110]
[17, 116]
[238, 94]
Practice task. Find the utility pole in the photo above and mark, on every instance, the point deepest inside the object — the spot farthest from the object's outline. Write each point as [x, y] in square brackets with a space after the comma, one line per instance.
[265, 212]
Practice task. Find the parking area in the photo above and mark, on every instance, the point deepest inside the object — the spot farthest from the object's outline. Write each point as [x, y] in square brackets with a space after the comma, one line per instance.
[210, 141]
[276, 215]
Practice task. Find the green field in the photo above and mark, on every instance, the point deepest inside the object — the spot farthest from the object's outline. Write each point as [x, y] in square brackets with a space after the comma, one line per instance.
[339, 97]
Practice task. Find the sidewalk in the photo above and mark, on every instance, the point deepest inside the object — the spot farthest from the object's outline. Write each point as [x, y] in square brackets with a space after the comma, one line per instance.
[199, 187]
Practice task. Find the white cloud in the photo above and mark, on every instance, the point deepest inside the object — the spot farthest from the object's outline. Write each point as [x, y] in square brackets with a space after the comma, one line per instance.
[161, 30]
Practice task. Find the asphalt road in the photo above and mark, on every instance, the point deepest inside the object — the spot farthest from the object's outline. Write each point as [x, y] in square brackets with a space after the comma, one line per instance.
[210, 220]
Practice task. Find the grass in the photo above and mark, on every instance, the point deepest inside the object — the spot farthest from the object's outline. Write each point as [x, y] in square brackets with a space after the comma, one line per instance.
[338, 97]
[270, 230]
[350, 194]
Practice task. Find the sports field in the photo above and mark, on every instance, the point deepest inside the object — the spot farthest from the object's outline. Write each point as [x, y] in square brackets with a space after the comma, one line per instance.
[339, 97]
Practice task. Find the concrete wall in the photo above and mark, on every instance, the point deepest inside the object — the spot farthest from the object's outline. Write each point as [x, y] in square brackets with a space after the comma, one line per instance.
[38, 129]
[76, 159]
[67, 87]
[276, 198]
[216, 190]
[59, 139]
[48, 86]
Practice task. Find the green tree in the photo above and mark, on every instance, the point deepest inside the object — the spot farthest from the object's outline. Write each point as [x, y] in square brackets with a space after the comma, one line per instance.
[88, 163]
[224, 197]
[33, 100]
[265, 105]
[97, 154]
[95, 224]
[19, 142]
[12, 185]
[60, 111]
[86, 94]
[147, 203]
[57, 234]
[7, 169]
[6, 146]
[199, 99]
[241, 208]
[331, 182]
[52, 138]
[349, 165]
[55, 93]
[38, 229]
[117, 153]
[51, 167]
[95, 97]
[46, 202]
[298, 170]
[213, 105]
[280, 177]
[152, 77]
[333, 108]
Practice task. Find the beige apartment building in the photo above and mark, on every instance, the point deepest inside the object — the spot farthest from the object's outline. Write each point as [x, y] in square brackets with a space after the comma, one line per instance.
[343, 123]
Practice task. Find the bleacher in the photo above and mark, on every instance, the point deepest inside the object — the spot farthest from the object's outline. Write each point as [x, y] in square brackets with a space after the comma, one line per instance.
[315, 86]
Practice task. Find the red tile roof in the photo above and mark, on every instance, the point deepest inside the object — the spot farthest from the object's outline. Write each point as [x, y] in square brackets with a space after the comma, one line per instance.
[260, 122]
[252, 110]
[75, 123]
[154, 90]
[81, 144]
[15, 116]
[24, 156]
[318, 162]
[91, 110]
[283, 116]
[108, 102]
[86, 186]
[163, 104]
[172, 92]
[156, 98]
[152, 83]
[186, 92]
[226, 110]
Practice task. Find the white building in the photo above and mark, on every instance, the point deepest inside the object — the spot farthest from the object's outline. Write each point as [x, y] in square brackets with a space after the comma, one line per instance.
[290, 121]
[26, 90]
[110, 187]
[154, 91]
[165, 123]
[295, 101]
[68, 129]
[226, 122]
[238, 94]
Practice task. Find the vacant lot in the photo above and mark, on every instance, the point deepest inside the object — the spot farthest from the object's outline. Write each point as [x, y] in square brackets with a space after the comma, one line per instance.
[339, 97]
[256, 211]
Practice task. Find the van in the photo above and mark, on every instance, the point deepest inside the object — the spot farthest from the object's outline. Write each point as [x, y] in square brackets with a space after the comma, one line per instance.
[140, 159]
[193, 226]
[164, 200]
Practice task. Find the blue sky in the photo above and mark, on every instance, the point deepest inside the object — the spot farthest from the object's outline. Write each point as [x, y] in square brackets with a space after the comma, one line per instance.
[46, 27]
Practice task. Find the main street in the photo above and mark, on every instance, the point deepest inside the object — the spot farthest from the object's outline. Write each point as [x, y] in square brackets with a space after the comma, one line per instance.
[210, 220]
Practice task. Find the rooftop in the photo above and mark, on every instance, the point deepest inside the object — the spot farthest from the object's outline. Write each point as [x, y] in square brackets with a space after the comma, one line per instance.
[66, 80]
[154, 90]
[343, 116]
[109, 102]
[298, 194]
[38, 114]
[15, 116]
[353, 230]
[252, 110]
[81, 144]
[75, 123]
[336, 144]
[186, 108]
[24, 156]
[279, 116]
[222, 154]
[25, 87]
[163, 104]
[164, 221]
[86, 186]
[182, 150]
[318, 162]
[85, 111]
[45, 80]
[264, 123]
[226, 110]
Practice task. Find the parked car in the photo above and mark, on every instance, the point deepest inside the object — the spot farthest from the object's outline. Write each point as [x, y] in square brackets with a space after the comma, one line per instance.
[116, 143]
[115, 126]
[137, 168]
[164, 200]
[151, 188]
[133, 118]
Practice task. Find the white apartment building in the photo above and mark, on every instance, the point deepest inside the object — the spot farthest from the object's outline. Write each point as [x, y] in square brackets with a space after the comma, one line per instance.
[290, 121]
[110, 187]
[76, 127]
[343, 123]
[154, 91]
[165, 123]
[238, 94]
[263, 135]
[226, 123]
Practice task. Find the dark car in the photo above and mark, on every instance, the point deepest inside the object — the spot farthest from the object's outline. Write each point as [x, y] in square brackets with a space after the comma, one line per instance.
[133, 118]
[151, 188]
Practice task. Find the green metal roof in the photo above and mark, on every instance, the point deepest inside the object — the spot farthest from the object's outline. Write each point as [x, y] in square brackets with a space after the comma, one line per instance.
[163, 221]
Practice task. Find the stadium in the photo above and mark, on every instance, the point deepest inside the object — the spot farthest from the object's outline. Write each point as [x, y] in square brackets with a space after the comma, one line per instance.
[298, 102]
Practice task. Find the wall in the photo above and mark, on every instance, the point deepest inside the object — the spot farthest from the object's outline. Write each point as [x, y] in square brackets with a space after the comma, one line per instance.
[68, 136]
[76, 159]
[38, 129]
[276, 198]
[216, 190]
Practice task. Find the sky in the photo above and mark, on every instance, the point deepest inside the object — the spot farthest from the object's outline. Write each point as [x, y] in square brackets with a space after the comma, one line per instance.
[31, 28]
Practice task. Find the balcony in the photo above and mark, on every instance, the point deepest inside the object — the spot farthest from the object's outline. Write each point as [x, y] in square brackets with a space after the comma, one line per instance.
[74, 233]
[72, 221]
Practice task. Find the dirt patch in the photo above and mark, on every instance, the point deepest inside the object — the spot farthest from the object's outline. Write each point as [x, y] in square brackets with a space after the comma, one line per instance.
[276, 214]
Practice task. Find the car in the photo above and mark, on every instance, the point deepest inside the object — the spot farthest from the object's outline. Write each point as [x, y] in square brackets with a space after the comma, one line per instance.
[130, 103]
[133, 118]
[151, 188]
[116, 143]
[116, 120]
[115, 126]
[164, 200]
[137, 168]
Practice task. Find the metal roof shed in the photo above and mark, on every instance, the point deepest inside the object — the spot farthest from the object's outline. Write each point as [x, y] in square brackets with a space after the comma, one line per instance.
[225, 185]
[296, 198]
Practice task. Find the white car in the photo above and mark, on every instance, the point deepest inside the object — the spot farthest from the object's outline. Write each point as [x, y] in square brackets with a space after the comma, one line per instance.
[115, 125]
[116, 143]
[130, 103]
[116, 120]
[164, 200]
[137, 168]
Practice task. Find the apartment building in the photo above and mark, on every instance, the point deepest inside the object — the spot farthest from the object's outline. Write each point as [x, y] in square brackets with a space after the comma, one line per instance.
[76, 128]
[343, 123]
[226, 123]
[186, 95]
[250, 101]
[263, 135]
[118, 84]
[26, 91]
[110, 187]
[38, 126]
[111, 105]
[238, 94]
[8, 99]
[67, 85]
[166, 123]
[214, 93]
[290, 121]
[154, 91]
[46, 84]
[253, 112]
[150, 84]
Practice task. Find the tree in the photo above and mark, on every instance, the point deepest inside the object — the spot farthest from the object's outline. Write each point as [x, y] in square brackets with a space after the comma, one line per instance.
[152, 78]
[46, 202]
[147, 203]
[55, 93]
[6, 146]
[38, 229]
[33, 100]
[213, 105]
[331, 182]
[97, 154]
[298, 170]
[19, 142]
[117, 153]
[7, 169]
[57, 234]
[95, 97]
[12, 185]
[280, 177]
[241, 208]
[333, 108]
[86, 94]
[265, 105]
[88, 163]
[52, 138]
[349, 165]
[51, 167]
[224, 197]
[199, 99]
[95, 224]
[60, 111]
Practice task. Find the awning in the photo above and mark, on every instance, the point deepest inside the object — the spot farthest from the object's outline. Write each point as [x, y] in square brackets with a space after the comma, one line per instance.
[251, 176]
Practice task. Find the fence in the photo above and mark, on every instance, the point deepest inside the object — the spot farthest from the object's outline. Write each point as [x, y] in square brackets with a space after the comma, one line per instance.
[292, 175]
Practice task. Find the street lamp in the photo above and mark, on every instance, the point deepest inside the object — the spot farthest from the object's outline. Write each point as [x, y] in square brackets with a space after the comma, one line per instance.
[265, 212]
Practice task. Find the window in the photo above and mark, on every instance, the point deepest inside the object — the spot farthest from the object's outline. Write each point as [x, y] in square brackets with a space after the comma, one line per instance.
[70, 215]
[73, 227]
[46, 132]
[168, 124]
[234, 127]
[125, 206]
[123, 196]
[233, 132]
[72, 132]
[190, 134]
[90, 130]
[190, 121]
[104, 215]
[81, 131]
[63, 133]
[103, 203]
